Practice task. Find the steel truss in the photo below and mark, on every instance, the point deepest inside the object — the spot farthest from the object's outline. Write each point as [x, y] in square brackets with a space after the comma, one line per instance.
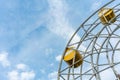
[99, 45]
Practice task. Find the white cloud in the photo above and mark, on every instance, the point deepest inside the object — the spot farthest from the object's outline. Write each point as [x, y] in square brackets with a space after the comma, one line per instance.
[21, 66]
[27, 75]
[53, 76]
[21, 72]
[58, 58]
[16, 75]
[59, 24]
[13, 75]
[4, 59]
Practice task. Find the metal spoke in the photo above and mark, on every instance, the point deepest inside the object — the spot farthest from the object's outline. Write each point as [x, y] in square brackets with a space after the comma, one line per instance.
[98, 45]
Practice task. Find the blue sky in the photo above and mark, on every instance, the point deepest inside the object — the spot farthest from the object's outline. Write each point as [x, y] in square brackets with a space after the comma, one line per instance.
[33, 35]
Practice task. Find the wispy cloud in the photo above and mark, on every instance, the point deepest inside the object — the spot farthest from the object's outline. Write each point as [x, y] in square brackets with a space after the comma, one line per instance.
[21, 72]
[4, 59]
[58, 58]
[21, 66]
[15, 75]
[58, 22]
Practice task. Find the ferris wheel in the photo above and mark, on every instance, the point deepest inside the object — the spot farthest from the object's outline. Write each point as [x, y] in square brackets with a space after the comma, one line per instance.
[93, 52]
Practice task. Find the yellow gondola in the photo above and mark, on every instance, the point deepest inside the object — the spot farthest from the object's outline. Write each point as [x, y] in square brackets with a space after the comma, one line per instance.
[107, 15]
[73, 57]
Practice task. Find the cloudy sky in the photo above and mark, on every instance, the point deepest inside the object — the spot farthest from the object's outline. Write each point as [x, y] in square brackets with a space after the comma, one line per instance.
[33, 35]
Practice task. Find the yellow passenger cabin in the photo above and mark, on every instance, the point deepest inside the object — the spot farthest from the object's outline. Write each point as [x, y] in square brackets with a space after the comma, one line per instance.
[73, 57]
[106, 15]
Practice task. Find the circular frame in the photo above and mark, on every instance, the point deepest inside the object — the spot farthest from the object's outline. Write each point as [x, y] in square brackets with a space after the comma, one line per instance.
[96, 41]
